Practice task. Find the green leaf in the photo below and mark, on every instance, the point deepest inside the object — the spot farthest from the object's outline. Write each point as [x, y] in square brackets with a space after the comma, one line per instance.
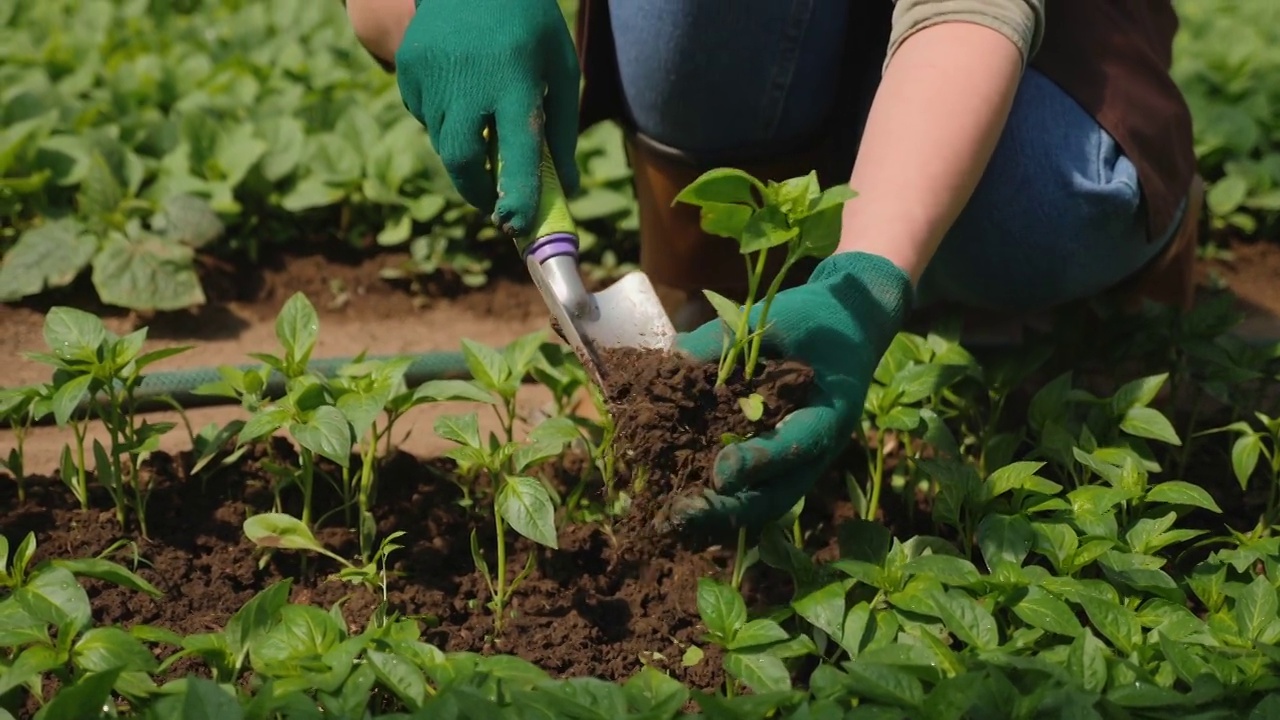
[946, 569]
[824, 608]
[189, 220]
[820, 233]
[1244, 457]
[262, 423]
[526, 506]
[885, 683]
[752, 406]
[400, 676]
[729, 311]
[1039, 609]
[1147, 422]
[67, 398]
[54, 596]
[362, 409]
[1015, 476]
[279, 530]
[1116, 622]
[721, 607]
[296, 643]
[722, 185]
[106, 570]
[1177, 492]
[326, 433]
[101, 191]
[1256, 607]
[759, 671]
[1087, 660]
[1227, 194]
[966, 619]
[45, 257]
[461, 429]
[105, 648]
[487, 366]
[452, 390]
[286, 138]
[297, 327]
[559, 430]
[19, 627]
[1004, 539]
[84, 699]
[1138, 393]
[768, 228]
[724, 220]
[197, 698]
[655, 694]
[72, 334]
[531, 454]
[760, 631]
[261, 612]
[146, 272]
[311, 192]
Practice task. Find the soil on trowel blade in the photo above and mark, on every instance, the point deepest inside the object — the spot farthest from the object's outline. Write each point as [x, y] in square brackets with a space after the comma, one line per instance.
[672, 420]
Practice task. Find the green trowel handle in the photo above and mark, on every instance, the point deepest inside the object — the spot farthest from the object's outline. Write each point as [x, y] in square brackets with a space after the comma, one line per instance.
[553, 226]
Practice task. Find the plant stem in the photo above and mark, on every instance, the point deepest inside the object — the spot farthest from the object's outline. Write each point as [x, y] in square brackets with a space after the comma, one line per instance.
[82, 478]
[308, 470]
[758, 339]
[877, 480]
[366, 488]
[501, 593]
[744, 323]
[738, 569]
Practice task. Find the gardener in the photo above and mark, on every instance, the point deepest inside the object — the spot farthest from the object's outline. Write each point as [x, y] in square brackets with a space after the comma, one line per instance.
[1009, 156]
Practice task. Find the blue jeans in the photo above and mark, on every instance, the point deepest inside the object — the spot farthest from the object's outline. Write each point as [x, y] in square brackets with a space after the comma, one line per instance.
[1057, 216]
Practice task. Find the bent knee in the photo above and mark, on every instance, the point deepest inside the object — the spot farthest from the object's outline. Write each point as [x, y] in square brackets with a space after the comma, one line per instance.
[1057, 216]
[379, 25]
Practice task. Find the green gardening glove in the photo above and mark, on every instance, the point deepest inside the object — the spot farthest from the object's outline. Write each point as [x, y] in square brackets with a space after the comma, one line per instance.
[840, 322]
[464, 64]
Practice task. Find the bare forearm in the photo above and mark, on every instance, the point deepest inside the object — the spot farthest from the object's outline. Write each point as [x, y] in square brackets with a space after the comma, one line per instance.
[380, 24]
[940, 109]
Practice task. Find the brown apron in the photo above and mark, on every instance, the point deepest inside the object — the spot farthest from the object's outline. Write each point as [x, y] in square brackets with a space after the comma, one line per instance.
[1111, 56]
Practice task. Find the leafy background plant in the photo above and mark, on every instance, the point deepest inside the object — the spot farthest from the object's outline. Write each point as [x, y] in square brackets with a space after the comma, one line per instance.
[140, 139]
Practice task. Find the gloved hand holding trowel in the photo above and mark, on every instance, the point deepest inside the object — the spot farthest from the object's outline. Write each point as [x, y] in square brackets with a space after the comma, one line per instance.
[970, 131]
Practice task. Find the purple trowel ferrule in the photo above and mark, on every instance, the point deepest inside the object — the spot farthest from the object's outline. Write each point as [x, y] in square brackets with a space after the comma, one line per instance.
[553, 245]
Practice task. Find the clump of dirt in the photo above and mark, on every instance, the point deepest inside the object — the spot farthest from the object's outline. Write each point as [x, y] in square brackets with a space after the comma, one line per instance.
[672, 419]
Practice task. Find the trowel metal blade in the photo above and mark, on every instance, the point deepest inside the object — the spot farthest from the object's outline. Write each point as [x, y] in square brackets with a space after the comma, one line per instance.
[626, 314]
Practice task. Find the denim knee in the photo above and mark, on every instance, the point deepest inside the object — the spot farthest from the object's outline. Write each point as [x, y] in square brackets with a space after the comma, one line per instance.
[710, 77]
[1057, 216]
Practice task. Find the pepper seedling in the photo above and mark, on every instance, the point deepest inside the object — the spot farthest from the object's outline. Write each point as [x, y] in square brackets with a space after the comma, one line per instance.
[795, 214]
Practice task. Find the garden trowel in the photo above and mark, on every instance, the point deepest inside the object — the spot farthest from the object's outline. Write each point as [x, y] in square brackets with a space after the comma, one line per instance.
[625, 314]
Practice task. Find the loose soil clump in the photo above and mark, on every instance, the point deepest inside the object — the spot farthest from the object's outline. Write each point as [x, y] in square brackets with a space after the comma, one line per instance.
[672, 420]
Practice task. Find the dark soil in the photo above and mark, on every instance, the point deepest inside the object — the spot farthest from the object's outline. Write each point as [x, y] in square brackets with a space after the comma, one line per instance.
[599, 606]
[672, 419]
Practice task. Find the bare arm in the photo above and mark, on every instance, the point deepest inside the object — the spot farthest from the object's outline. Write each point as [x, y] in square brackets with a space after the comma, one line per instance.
[941, 107]
[379, 25]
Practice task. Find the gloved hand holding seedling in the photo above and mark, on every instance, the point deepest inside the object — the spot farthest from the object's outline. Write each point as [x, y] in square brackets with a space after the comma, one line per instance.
[795, 214]
[839, 322]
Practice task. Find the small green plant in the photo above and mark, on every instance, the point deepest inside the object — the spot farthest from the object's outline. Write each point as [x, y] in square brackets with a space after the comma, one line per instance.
[308, 410]
[1252, 445]
[96, 369]
[285, 532]
[519, 501]
[20, 407]
[795, 214]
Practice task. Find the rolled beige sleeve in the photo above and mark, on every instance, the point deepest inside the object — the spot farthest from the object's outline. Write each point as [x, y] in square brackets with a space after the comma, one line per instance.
[1022, 21]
